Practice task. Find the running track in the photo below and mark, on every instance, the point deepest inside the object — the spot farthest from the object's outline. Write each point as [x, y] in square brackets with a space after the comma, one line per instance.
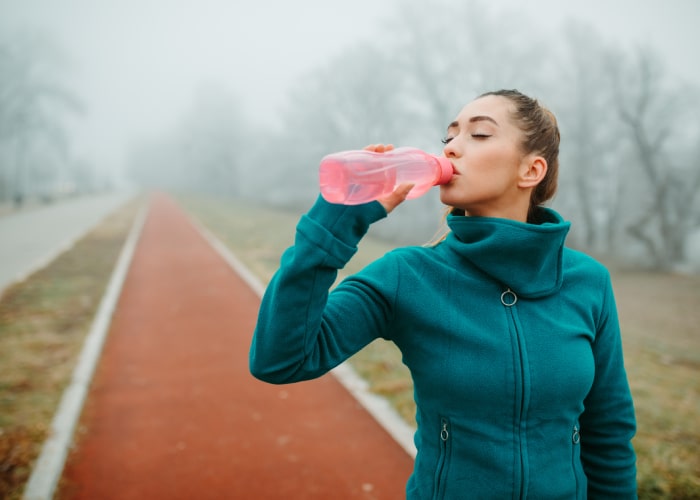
[173, 412]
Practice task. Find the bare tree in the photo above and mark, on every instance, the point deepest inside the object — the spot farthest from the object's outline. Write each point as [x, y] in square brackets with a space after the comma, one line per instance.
[662, 124]
[450, 52]
[353, 100]
[591, 174]
[32, 101]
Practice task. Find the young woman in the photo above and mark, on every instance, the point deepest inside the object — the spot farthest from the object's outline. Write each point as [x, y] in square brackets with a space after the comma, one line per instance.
[511, 338]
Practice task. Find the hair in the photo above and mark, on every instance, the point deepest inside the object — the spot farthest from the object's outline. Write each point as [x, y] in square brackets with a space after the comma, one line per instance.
[540, 136]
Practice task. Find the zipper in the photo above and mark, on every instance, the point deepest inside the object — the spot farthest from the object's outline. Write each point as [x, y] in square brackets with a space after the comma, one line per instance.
[509, 299]
[443, 460]
[575, 457]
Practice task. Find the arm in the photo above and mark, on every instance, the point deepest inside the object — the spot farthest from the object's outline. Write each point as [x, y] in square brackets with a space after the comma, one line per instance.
[608, 422]
[302, 332]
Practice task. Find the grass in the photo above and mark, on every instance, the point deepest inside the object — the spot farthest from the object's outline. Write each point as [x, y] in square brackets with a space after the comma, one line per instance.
[660, 318]
[659, 315]
[43, 322]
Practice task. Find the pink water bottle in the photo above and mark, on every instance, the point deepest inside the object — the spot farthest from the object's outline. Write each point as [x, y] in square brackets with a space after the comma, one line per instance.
[360, 176]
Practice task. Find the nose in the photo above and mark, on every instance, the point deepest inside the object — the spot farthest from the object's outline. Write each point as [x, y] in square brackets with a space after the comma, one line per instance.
[451, 150]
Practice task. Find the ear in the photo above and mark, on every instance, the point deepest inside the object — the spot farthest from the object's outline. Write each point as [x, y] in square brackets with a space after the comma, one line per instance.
[532, 171]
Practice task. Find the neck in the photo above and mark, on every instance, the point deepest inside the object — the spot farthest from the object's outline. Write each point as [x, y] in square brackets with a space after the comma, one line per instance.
[512, 212]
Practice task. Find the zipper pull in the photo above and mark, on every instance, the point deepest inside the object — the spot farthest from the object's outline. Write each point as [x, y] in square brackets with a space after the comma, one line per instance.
[508, 298]
[576, 436]
[444, 433]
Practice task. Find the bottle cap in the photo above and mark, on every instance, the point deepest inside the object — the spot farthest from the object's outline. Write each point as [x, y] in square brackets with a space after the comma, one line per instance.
[446, 170]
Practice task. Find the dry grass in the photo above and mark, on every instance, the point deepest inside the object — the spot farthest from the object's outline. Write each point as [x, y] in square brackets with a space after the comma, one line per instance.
[659, 314]
[660, 317]
[43, 322]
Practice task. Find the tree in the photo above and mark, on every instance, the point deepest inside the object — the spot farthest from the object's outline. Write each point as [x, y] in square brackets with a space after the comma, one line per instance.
[32, 101]
[450, 52]
[353, 100]
[591, 173]
[662, 123]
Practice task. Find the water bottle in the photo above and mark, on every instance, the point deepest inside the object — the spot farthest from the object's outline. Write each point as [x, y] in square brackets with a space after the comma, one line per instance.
[360, 176]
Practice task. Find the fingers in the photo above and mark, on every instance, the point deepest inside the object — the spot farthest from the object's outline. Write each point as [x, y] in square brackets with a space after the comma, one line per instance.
[379, 148]
[397, 197]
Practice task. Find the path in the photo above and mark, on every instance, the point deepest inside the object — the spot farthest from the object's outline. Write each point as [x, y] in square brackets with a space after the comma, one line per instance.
[173, 412]
[31, 238]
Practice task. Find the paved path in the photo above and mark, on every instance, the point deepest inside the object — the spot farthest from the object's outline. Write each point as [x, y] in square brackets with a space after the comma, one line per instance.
[33, 237]
[173, 412]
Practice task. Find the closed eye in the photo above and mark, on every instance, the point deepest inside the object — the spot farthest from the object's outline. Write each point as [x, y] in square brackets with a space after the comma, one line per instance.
[480, 136]
[446, 140]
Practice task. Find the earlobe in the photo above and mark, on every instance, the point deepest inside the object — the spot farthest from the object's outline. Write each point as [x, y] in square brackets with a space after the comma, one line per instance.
[533, 172]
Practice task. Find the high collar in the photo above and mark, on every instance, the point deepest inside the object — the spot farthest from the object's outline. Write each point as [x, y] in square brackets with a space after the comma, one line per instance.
[525, 257]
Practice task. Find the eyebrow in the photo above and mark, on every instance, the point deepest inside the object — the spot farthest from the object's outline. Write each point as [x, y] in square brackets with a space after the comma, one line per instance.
[482, 118]
[474, 119]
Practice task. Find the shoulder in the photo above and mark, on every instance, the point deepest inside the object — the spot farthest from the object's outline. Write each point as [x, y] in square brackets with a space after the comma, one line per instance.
[408, 261]
[417, 255]
[581, 264]
[589, 281]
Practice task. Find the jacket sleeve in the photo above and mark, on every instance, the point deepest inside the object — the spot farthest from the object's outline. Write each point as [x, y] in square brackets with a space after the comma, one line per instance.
[608, 422]
[303, 331]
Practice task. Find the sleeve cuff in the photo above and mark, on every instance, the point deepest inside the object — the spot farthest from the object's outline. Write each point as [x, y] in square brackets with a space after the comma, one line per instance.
[339, 228]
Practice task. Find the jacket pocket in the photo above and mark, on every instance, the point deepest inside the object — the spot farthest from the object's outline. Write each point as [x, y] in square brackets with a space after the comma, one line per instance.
[443, 461]
[576, 466]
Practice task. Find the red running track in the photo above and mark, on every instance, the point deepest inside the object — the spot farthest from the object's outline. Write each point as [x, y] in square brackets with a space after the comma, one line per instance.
[173, 412]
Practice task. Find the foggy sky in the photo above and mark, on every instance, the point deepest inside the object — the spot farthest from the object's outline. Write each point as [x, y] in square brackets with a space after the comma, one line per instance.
[137, 63]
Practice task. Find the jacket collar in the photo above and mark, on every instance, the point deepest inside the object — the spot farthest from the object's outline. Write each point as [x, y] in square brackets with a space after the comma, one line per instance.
[527, 258]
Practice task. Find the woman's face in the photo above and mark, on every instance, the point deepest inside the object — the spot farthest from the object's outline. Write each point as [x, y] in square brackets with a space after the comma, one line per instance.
[483, 144]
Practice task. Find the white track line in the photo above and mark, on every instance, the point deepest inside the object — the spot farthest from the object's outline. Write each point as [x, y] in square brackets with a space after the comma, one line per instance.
[49, 466]
[377, 406]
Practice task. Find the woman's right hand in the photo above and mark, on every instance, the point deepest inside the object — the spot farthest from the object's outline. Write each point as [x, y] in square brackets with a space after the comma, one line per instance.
[399, 195]
[396, 198]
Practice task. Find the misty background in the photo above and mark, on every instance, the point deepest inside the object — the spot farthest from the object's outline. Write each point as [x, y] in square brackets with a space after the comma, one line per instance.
[242, 99]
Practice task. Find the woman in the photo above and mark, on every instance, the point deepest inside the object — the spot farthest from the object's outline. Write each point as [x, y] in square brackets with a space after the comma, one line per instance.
[512, 339]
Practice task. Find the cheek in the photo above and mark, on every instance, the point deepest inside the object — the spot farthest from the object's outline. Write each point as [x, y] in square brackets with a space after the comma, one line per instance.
[497, 157]
[497, 166]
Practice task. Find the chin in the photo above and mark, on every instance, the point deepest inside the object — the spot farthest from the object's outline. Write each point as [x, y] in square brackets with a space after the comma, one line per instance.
[448, 198]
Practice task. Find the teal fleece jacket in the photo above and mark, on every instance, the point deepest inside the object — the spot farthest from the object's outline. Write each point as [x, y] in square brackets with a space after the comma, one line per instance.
[511, 338]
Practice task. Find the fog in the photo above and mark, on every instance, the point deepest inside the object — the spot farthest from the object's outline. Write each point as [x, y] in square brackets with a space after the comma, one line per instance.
[139, 75]
[136, 63]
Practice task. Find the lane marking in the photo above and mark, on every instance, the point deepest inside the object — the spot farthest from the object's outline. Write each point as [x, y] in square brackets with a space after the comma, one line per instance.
[377, 406]
[49, 466]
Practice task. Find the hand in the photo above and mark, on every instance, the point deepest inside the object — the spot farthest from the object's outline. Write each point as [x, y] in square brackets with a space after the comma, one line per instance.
[397, 197]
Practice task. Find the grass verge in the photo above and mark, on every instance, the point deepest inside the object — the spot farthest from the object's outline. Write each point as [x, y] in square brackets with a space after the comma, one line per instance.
[43, 323]
[659, 315]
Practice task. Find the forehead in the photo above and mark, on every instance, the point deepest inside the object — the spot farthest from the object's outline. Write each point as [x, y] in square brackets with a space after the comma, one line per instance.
[498, 108]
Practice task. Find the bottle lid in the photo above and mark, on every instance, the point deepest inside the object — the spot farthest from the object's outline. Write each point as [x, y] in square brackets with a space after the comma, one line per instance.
[446, 170]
